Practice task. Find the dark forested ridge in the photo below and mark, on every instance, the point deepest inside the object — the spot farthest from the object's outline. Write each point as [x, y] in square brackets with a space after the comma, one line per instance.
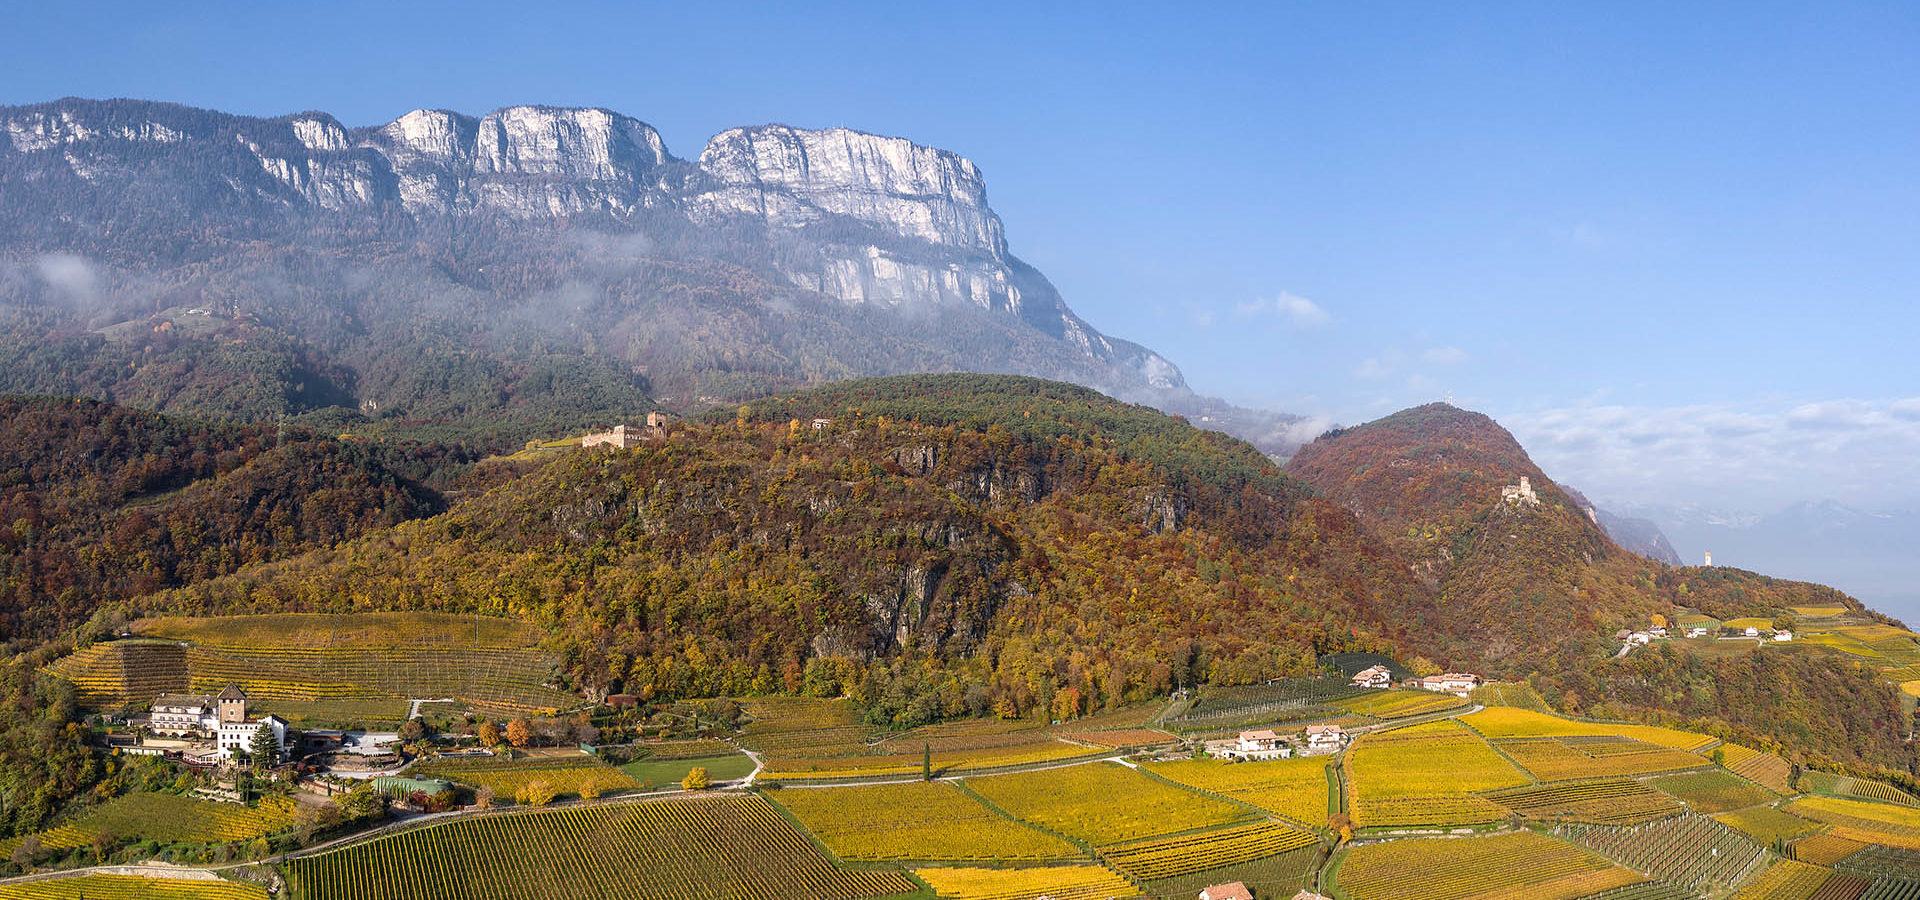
[945, 545]
[103, 503]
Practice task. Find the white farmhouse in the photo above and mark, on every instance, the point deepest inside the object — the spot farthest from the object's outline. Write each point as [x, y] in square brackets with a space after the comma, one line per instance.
[1373, 677]
[1459, 684]
[1325, 738]
[1262, 744]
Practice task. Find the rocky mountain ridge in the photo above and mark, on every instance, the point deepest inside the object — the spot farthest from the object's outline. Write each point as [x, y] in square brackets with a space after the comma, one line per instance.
[843, 219]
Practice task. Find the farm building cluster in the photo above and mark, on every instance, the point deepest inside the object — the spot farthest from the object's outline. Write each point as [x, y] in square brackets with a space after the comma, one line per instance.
[210, 728]
[1266, 743]
[1459, 684]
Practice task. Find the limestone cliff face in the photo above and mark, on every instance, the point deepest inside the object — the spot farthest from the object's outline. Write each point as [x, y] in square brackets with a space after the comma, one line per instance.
[791, 177]
[862, 219]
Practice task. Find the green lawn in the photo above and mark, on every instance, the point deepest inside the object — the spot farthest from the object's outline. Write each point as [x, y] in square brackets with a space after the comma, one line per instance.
[669, 772]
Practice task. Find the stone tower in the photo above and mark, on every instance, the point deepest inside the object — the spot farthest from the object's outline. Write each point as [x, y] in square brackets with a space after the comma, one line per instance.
[233, 705]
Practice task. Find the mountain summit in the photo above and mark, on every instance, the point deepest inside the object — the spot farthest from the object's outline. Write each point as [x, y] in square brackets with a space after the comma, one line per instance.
[441, 267]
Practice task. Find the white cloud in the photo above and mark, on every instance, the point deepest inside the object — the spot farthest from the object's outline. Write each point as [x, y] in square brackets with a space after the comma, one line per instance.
[1446, 356]
[1372, 369]
[1294, 309]
[1863, 453]
[1306, 429]
[71, 275]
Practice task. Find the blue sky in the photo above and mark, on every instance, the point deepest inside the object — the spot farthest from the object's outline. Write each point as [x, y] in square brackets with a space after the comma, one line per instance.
[1673, 247]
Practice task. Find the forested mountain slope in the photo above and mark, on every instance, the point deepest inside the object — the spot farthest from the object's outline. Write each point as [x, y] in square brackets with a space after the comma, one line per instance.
[103, 503]
[1519, 586]
[945, 545]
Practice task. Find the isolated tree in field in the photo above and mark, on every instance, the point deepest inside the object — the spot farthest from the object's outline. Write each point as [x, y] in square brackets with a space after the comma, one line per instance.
[696, 779]
[263, 748]
[413, 730]
[519, 733]
[538, 792]
[1659, 621]
[1066, 704]
[489, 734]
[926, 762]
[28, 849]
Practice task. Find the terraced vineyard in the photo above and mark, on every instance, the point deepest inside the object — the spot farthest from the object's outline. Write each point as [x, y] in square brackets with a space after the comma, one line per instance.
[1457, 869]
[1426, 775]
[1766, 825]
[131, 887]
[1121, 738]
[916, 820]
[1786, 880]
[1646, 890]
[1714, 791]
[1292, 699]
[1103, 804]
[1824, 849]
[1882, 862]
[1496, 693]
[827, 768]
[1605, 756]
[1187, 853]
[1892, 889]
[1620, 801]
[172, 818]
[1056, 882]
[112, 674]
[1293, 788]
[729, 846]
[566, 775]
[1863, 821]
[1859, 788]
[491, 663]
[1765, 769]
[1689, 851]
[1501, 722]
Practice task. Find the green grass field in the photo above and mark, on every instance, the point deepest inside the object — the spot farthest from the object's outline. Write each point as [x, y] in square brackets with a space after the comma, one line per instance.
[666, 773]
[568, 775]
